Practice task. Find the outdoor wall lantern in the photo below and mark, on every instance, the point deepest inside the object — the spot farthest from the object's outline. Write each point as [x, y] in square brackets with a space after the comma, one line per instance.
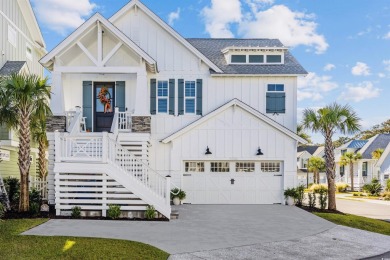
[259, 152]
[208, 151]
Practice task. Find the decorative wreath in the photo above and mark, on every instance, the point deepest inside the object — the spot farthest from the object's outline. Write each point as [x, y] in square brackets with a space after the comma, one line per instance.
[105, 98]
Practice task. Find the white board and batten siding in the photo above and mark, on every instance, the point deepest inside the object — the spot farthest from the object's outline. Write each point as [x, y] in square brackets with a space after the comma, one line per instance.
[12, 17]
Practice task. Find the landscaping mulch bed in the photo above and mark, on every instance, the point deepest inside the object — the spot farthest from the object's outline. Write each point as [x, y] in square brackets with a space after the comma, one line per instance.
[317, 210]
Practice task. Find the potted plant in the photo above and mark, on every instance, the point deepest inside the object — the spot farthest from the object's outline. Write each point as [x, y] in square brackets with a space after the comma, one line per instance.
[290, 194]
[177, 196]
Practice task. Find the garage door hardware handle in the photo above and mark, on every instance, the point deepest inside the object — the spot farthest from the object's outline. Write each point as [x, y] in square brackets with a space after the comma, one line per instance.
[186, 174]
[232, 181]
[278, 175]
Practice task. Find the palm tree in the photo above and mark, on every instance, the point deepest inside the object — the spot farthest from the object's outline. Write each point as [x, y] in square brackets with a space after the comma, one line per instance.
[329, 120]
[316, 165]
[302, 134]
[38, 129]
[349, 158]
[23, 98]
[377, 153]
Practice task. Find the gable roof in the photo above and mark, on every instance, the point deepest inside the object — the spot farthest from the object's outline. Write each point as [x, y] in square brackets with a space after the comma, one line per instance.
[11, 67]
[168, 28]
[299, 154]
[319, 150]
[354, 144]
[212, 49]
[308, 148]
[234, 102]
[31, 21]
[385, 154]
[47, 61]
[380, 141]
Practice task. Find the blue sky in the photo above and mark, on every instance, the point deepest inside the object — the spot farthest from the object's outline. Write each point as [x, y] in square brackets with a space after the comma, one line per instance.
[343, 44]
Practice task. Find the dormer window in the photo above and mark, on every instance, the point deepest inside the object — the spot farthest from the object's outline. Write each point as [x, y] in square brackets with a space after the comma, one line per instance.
[254, 55]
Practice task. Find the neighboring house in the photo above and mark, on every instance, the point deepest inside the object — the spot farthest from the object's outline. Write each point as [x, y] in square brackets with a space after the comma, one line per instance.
[21, 47]
[382, 166]
[367, 168]
[305, 152]
[215, 117]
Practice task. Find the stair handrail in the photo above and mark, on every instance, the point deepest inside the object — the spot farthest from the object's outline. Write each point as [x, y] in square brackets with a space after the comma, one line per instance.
[75, 125]
[143, 163]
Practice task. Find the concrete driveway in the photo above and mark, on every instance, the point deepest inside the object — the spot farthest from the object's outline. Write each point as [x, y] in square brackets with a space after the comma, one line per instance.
[233, 232]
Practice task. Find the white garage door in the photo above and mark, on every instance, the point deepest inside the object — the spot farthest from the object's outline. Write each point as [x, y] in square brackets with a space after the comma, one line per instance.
[235, 182]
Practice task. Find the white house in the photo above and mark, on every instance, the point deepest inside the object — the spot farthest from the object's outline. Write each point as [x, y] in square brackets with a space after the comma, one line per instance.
[216, 115]
[21, 48]
[366, 168]
[305, 152]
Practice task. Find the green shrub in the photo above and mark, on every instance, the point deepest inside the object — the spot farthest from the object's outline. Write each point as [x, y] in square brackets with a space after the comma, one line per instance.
[150, 212]
[114, 211]
[312, 200]
[341, 187]
[317, 188]
[386, 195]
[290, 192]
[35, 196]
[12, 186]
[2, 210]
[373, 188]
[323, 197]
[388, 185]
[76, 212]
[300, 193]
[35, 209]
[358, 194]
[181, 194]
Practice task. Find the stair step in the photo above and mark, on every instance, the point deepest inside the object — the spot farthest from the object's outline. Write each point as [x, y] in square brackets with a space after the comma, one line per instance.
[174, 214]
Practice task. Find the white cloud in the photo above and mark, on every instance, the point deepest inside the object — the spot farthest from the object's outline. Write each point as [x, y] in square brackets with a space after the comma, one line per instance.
[62, 16]
[387, 36]
[313, 86]
[292, 28]
[329, 67]
[360, 69]
[255, 5]
[381, 75]
[173, 16]
[220, 15]
[361, 91]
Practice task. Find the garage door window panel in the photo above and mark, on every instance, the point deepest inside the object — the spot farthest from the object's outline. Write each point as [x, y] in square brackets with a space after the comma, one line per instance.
[245, 166]
[219, 167]
[270, 166]
[194, 166]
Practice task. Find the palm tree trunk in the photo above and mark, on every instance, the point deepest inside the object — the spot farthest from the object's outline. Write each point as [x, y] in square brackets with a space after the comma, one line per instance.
[24, 160]
[318, 177]
[330, 174]
[42, 160]
[351, 174]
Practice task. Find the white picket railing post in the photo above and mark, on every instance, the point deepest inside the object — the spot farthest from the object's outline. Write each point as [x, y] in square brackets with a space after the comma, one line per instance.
[105, 147]
[168, 189]
[58, 147]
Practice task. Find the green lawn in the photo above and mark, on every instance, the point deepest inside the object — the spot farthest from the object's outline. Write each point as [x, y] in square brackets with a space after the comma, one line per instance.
[369, 224]
[15, 246]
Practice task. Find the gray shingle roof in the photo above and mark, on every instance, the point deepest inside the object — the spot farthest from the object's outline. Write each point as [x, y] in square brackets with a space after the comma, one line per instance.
[11, 67]
[381, 141]
[309, 148]
[212, 49]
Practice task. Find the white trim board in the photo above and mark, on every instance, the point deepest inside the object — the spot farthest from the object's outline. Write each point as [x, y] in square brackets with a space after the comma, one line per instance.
[249, 109]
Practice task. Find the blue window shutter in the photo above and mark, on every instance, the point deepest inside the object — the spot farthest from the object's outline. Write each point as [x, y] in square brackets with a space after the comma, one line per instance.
[87, 103]
[276, 103]
[120, 93]
[153, 92]
[199, 98]
[171, 96]
[181, 96]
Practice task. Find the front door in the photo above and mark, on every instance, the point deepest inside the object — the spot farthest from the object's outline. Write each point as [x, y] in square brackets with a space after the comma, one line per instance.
[104, 103]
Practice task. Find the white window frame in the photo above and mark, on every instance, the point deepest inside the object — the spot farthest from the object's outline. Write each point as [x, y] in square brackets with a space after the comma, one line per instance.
[265, 59]
[162, 97]
[270, 167]
[29, 55]
[12, 36]
[187, 169]
[245, 164]
[190, 97]
[225, 162]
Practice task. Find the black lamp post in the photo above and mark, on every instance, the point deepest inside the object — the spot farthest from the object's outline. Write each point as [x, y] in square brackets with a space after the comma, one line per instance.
[259, 152]
[208, 151]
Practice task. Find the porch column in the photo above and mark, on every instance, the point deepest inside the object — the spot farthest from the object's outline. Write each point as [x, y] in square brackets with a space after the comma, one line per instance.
[57, 98]
[141, 95]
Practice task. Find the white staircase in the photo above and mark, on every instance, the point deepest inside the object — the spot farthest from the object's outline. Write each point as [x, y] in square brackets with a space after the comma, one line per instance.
[93, 170]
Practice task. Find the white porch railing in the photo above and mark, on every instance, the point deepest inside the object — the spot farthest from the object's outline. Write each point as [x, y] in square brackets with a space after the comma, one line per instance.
[121, 122]
[69, 118]
[75, 122]
[99, 147]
